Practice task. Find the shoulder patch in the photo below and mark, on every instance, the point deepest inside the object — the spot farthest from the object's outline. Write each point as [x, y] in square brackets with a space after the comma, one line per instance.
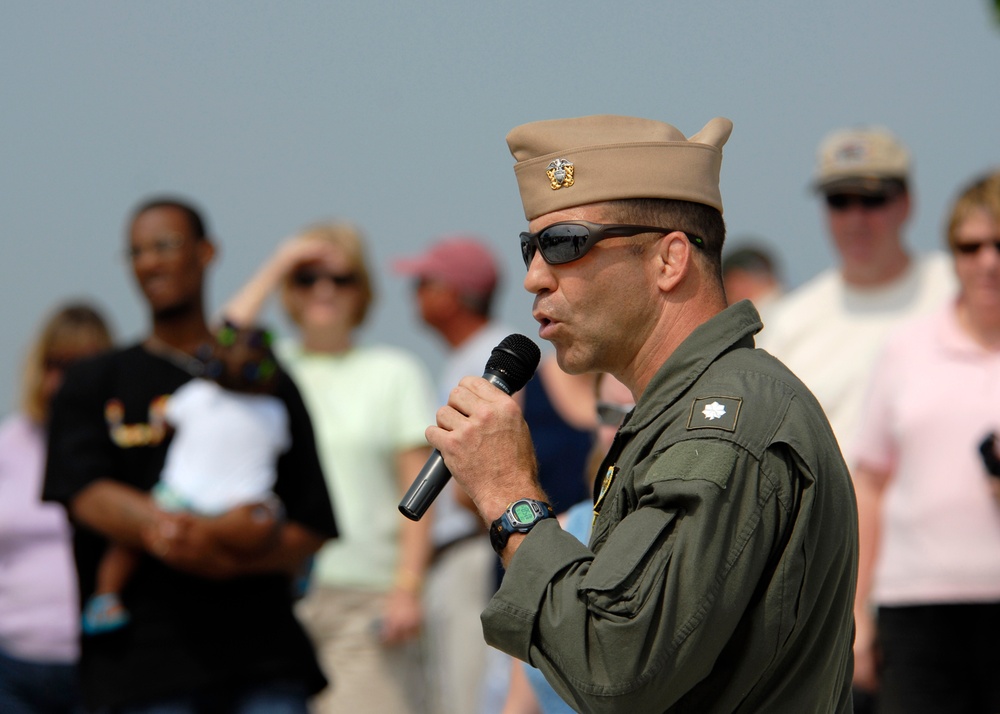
[715, 413]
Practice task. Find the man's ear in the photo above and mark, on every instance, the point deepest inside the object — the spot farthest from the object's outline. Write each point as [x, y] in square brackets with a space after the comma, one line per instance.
[206, 252]
[673, 260]
[906, 205]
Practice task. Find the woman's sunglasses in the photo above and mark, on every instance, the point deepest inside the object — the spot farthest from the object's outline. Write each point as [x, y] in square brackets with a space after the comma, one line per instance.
[567, 241]
[974, 248]
[308, 278]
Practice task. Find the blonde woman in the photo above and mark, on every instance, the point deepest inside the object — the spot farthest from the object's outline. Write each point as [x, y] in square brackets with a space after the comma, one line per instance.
[928, 595]
[38, 592]
[369, 406]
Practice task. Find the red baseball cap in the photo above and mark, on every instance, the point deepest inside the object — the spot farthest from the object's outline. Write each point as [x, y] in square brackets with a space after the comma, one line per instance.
[461, 261]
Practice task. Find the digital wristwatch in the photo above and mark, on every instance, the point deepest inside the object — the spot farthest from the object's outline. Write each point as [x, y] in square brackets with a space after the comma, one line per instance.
[520, 517]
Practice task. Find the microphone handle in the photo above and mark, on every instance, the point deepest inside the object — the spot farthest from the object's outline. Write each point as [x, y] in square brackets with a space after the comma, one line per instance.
[425, 487]
[434, 475]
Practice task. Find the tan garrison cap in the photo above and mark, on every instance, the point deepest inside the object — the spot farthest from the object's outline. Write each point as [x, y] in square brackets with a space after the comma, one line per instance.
[571, 162]
[860, 159]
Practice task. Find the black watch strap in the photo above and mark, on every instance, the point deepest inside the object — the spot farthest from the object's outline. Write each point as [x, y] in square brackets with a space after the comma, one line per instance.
[519, 517]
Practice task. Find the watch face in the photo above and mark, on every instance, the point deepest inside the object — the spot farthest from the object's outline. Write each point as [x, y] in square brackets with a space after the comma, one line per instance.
[523, 512]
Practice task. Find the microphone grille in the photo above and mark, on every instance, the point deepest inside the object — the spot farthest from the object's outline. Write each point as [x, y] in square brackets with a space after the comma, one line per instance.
[516, 358]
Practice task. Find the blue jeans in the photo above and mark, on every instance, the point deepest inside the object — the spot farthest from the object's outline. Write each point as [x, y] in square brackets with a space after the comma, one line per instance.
[37, 688]
[275, 698]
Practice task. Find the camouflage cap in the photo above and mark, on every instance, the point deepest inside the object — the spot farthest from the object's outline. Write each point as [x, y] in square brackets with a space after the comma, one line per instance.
[572, 162]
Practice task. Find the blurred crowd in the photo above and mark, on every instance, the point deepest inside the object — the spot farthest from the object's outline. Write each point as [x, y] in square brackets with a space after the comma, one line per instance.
[206, 520]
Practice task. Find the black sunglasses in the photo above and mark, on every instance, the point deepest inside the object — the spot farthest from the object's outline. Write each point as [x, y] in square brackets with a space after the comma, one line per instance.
[308, 278]
[843, 201]
[567, 241]
[974, 248]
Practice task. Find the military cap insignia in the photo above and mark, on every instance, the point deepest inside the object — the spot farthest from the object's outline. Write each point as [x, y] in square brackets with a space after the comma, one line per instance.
[715, 413]
[560, 173]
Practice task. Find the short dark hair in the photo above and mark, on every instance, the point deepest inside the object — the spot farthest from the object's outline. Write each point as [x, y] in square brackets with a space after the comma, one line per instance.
[193, 214]
[695, 218]
[751, 257]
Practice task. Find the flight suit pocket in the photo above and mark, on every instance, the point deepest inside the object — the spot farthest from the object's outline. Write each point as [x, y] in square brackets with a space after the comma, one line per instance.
[630, 565]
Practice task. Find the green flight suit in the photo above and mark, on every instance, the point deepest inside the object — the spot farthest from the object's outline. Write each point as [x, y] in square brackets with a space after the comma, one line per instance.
[721, 572]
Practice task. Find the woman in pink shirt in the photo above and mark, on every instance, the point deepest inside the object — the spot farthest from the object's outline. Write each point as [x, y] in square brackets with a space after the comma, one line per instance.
[929, 520]
[39, 614]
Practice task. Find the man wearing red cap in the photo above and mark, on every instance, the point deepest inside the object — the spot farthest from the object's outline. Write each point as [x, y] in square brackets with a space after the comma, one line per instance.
[456, 280]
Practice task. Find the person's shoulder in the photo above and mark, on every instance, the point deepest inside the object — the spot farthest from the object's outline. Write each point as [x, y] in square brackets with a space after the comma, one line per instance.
[16, 428]
[938, 267]
[111, 359]
[96, 371]
[752, 371]
[390, 355]
[802, 297]
[795, 311]
[758, 378]
[936, 260]
[489, 336]
[470, 356]
[384, 368]
[919, 329]
[750, 398]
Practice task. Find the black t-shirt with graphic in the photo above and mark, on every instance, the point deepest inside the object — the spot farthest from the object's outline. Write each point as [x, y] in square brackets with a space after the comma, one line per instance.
[187, 633]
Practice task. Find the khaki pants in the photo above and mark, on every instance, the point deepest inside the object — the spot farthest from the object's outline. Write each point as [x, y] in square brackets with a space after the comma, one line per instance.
[365, 676]
[459, 586]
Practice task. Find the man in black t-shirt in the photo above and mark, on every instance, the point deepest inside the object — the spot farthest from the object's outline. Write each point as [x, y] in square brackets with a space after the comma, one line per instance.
[210, 630]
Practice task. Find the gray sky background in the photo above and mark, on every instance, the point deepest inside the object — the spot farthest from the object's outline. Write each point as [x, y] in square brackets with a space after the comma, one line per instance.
[272, 115]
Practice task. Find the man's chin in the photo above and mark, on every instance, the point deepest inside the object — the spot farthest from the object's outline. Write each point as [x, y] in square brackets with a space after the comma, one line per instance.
[567, 364]
[171, 311]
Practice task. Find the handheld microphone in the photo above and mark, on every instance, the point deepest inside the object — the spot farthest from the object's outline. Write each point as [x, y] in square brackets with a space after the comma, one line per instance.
[509, 368]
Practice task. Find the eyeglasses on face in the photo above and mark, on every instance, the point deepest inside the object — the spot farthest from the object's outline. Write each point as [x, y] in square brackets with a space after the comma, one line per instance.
[161, 247]
[870, 202]
[971, 248]
[308, 278]
[567, 241]
[611, 414]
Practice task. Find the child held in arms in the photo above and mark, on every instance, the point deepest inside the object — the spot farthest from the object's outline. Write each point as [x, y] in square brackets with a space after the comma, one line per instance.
[229, 430]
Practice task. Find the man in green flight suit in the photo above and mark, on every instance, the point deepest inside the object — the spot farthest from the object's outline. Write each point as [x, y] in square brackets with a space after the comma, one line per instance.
[721, 568]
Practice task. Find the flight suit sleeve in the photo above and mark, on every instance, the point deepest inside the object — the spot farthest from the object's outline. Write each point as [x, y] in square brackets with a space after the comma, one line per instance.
[636, 626]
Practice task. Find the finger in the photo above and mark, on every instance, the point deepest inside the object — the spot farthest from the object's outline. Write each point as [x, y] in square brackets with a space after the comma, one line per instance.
[483, 389]
[449, 418]
[472, 394]
[169, 528]
[161, 548]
